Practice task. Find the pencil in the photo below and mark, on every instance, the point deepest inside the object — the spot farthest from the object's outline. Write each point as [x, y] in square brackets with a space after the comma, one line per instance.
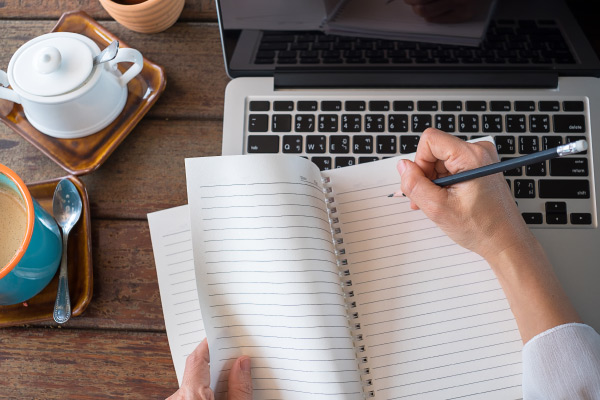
[566, 149]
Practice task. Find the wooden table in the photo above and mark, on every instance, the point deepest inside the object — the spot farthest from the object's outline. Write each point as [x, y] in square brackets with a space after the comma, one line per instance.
[118, 348]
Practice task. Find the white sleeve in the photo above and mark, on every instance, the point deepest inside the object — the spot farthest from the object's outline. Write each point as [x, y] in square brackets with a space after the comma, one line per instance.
[562, 363]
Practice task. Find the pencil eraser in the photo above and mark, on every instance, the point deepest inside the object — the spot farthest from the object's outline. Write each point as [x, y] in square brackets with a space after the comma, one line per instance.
[581, 145]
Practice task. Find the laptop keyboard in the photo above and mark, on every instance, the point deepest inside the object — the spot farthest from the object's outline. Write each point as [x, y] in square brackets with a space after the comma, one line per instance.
[506, 42]
[334, 133]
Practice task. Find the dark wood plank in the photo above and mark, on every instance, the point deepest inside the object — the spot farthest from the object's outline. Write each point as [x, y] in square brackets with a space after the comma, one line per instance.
[146, 172]
[40, 363]
[126, 294]
[194, 68]
[197, 10]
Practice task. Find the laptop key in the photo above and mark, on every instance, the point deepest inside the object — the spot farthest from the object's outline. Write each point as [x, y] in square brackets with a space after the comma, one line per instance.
[505, 144]
[258, 123]
[491, 123]
[324, 163]
[573, 106]
[556, 212]
[307, 105]
[281, 123]
[260, 106]
[476, 106]
[524, 188]
[386, 144]
[263, 144]
[528, 144]
[339, 144]
[548, 106]
[355, 106]
[581, 218]
[500, 106]
[344, 162]
[524, 106]
[351, 123]
[420, 122]
[539, 123]
[328, 123]
[331, 105]
[445, 122]
[468, 123]
[362, 144]
[379, 106]
[292, 144]
[363, 160]
[283, 106]
[408, 144]
[515, 123]
[537, 169]
[316, 144]
[564, 189]
[549, 142]
[398, 123]
[512, 172]
[569, 123]
[569, 167]
[304, 123]
[427, 105]
[571, 139]
[533, 218]
[374, 123]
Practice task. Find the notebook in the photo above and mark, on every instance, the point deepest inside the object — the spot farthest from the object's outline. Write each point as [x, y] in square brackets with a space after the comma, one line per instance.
[531, 84]
[337, 291]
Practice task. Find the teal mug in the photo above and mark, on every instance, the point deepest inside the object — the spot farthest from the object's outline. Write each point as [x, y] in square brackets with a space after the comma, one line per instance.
[30, 242]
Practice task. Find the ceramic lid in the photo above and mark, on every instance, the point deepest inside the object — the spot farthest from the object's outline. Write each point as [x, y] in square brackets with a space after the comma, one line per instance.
[53, 66]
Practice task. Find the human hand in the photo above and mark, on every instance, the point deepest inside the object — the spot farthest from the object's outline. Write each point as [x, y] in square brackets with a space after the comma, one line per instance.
[196, 378]
[444, 11]
[479, 214]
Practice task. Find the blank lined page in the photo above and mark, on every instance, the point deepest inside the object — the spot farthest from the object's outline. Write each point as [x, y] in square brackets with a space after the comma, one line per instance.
[434, 319]
[268, 277]
[172, 246]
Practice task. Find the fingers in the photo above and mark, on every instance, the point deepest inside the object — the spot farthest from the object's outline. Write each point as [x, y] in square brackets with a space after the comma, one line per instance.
[440, 154]
[196, 376]
[240, 380]
[423, 193]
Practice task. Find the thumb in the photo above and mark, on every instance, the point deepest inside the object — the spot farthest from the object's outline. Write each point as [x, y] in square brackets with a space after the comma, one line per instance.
[240, 380]
[421, 191]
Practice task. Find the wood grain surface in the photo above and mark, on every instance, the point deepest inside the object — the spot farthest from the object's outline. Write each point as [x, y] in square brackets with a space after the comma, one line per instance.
[118, 348]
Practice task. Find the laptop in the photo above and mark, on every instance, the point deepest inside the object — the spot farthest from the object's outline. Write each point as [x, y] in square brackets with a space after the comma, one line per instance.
[532, 83]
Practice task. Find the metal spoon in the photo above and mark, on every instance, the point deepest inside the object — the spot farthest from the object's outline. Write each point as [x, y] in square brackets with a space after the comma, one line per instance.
[108, 53]
[66, 206]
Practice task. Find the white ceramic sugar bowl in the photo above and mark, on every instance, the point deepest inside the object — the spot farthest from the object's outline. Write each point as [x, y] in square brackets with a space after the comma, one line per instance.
[62, 93]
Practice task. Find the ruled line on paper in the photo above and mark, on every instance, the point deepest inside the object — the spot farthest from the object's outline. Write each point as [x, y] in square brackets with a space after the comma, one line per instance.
[172, 246]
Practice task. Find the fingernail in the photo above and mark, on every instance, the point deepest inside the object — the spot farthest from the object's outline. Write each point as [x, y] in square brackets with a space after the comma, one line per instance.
[245, 365]
[401, 166]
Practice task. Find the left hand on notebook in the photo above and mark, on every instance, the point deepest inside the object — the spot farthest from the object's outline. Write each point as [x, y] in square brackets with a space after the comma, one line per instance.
[196, 378]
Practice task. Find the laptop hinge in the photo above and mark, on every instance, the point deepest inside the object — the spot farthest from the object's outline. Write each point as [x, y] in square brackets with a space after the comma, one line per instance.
[288, 79]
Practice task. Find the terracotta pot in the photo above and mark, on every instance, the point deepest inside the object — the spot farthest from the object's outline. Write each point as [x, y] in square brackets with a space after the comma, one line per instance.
[149, 16]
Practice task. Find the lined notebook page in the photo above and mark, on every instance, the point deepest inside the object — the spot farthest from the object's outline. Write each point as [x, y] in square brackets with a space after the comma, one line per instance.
[268, 278]
[172, 246]
[434, 319]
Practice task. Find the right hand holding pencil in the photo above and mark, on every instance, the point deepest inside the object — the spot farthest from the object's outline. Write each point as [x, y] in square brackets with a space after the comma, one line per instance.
[479, 214]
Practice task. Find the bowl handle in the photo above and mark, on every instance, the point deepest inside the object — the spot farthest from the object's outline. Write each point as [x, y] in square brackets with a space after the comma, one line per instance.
[7, 94]
[128, 55]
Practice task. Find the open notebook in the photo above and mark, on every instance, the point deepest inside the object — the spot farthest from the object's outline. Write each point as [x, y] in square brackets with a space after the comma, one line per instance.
[391, 309]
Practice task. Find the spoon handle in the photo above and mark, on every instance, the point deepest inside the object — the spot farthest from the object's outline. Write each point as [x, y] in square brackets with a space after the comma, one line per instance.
[62, 306]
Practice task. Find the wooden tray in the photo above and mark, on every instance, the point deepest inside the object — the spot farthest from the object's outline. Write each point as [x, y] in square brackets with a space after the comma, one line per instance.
[83, 155]
[79, 260]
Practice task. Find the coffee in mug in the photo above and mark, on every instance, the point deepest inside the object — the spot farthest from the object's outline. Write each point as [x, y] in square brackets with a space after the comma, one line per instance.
[13, 224]
[30, 242]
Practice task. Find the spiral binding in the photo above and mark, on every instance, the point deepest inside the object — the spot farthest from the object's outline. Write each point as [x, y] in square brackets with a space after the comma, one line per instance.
[347, 288]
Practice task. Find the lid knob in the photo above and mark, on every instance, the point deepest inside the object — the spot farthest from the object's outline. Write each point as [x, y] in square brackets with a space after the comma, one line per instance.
[47, 60]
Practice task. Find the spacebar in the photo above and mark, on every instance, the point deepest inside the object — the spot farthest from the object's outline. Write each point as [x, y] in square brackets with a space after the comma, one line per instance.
[564, 189]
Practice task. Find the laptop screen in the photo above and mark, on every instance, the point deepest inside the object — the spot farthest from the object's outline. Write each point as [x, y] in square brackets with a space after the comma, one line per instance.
[262, 36]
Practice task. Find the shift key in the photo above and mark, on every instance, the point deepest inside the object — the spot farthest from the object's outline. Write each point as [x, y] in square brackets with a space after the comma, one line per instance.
[564, 189]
